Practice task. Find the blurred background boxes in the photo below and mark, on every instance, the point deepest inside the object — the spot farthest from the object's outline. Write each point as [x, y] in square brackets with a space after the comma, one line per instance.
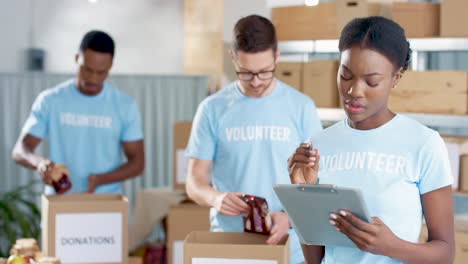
[418, 19]
[290, 73]
[454, 18]
[346, 10]
[319, 82]
[326, 20]
[305, 22]
[181, 220]
[316, 79]
[440, 92]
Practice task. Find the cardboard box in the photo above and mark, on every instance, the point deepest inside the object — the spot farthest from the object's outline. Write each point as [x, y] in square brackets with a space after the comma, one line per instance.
[461, 248]
[453, 18]
[305, 22]
[85, 228]
[418, 19]
[463, 182]
[181, 220]
[290, 73]
[135, 260]
[347, 10]
[231, 248]
[319, 82]
[455, 148]
[180, 161]
[440, 92]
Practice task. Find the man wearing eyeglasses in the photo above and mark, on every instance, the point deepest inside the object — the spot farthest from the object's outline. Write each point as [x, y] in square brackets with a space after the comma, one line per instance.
[243, 134]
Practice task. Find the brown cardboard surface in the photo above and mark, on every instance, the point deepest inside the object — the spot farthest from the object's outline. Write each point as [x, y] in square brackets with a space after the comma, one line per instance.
[418, 19]
[463, 183]
[135, 260]
[183, 219]
[81, 204]
[442, 92]
[453, 18]
[234, 246]
[290, 73]
[347, 10]
[305, 22]
[181, 138]
[319, 82]
[151, 205]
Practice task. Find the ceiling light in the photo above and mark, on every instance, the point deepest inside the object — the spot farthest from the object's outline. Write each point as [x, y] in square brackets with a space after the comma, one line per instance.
[311, 2]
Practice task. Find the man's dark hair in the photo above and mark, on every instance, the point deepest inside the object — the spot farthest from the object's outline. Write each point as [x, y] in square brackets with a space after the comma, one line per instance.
[98, 41]
[253, 34]
[379, 34]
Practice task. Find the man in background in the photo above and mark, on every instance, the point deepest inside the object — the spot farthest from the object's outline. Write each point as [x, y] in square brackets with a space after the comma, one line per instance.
[243, 134]
[88, 124]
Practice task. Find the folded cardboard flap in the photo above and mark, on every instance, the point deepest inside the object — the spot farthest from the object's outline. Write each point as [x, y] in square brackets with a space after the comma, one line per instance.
[238, 246]
[229, 238]
[82, 197]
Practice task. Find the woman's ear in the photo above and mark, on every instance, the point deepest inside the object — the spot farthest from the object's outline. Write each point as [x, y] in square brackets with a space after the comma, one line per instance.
[397, 77]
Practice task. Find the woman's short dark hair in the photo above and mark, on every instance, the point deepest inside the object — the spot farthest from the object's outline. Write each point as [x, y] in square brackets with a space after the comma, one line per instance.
[379, 34]
[98, 41]
[253, 34]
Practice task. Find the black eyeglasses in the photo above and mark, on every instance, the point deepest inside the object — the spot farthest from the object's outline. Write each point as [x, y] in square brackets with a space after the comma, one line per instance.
[263, 75]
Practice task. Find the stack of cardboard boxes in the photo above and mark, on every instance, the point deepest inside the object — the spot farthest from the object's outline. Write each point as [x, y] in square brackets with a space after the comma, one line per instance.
[326, 20]
[440, 92]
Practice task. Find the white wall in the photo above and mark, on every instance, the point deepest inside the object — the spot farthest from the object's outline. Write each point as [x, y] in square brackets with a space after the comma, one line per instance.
[14, 28]
[148, 33]
[233, 11]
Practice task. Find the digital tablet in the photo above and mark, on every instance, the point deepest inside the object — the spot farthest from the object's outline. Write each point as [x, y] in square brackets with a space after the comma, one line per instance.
[309, 207]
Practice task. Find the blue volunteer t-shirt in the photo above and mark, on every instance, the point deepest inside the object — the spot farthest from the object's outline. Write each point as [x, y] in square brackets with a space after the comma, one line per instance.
[85, 132]
[249, 141]
[393, 165]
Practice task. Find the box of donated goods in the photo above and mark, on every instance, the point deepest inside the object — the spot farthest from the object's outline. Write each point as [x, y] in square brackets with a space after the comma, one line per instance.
[85, 228]
[233, 248]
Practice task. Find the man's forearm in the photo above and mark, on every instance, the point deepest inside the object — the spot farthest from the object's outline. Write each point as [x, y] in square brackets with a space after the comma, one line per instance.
[26, 157]
[201, 192]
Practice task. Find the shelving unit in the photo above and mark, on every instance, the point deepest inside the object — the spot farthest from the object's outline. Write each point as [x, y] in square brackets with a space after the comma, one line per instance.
[453, 125]
[446, 124]
[418, 45]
